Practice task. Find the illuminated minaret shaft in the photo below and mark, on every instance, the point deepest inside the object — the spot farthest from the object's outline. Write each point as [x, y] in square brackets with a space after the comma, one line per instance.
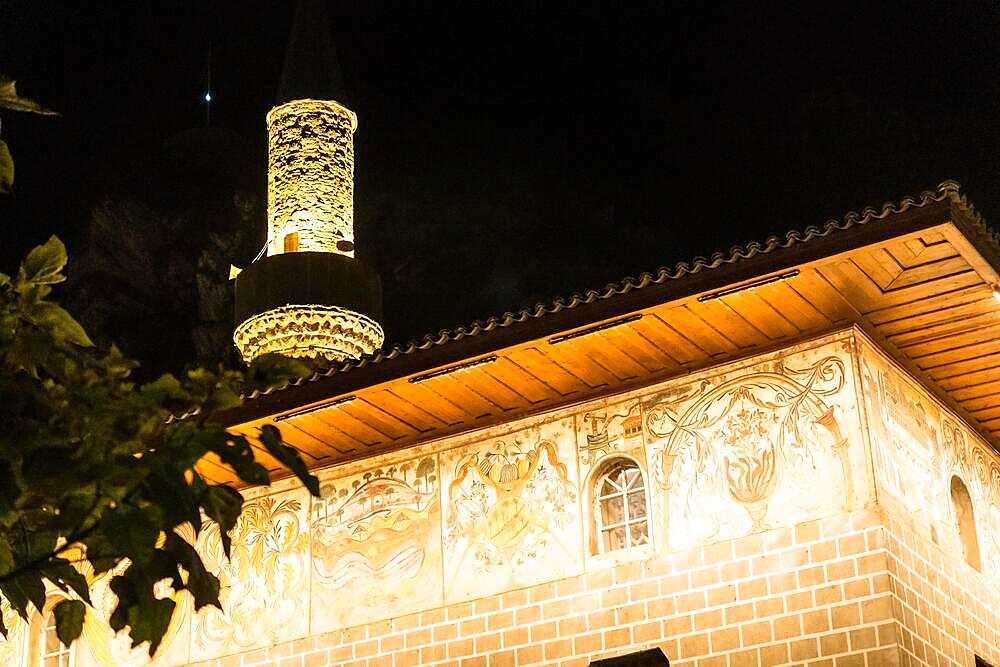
[309, 297]
[310, 178]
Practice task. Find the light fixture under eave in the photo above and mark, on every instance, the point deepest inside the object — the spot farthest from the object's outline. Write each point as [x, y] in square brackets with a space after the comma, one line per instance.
[747, 286]
[315, 408]
[594, 329]
[996, 292]
[452, 369]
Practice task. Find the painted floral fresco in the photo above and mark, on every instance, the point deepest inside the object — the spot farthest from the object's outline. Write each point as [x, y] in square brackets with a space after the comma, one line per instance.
[265, 583]
[918, 448]
[511, 511]
[763, 446]
[376, 544]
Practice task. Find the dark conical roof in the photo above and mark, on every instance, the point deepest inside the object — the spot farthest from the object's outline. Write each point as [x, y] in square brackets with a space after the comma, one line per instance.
[311, 68]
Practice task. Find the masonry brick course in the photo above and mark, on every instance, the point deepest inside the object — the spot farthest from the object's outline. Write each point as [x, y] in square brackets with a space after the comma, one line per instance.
[824, 592]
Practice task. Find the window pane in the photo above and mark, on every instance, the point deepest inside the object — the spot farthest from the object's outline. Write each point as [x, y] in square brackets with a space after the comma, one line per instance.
[51, 641]
[639, 532]
[614, 538]
[52, 661]
[609, 487]
[612, 511]
[636, 505]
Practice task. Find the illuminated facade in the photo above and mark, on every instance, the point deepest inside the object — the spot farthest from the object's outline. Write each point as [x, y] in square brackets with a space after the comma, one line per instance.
[782, 455]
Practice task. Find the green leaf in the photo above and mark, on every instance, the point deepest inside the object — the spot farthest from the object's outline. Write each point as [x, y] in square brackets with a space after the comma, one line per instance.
[62, 325]
[236, 452]
[6, 168]
[69, 620]
[289, 457]
[131, 531]
[9, 99]
[25, 588]
[147, 616]
[62, 573]
[203, 585]
[6, 555]
[223, 505]
[44, 263]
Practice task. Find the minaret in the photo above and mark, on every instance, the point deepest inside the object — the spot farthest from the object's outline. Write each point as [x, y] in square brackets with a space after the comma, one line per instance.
[309, 296]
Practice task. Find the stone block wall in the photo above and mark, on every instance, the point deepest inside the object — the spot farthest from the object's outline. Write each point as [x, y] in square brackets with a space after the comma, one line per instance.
[818, 593]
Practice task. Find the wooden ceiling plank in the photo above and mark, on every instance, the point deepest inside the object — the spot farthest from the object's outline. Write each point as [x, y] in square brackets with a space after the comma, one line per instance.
[916, 296]
[968, 373]
[492, 389]
[931, 272]
[913, 252]
[854, 284]
[953, 322]
[981, 390]
[419, 419]
[458, 392]
[581, 365]
[992, 412]
[529, 388]
[880, 267]
[638, 347]
[816, 290]
[352, 426]
[782, 297]
[761, 315]
[429, 401]
[605, 346]
[664, 337]
[958, 354]
[981, 402]
[694, 328]
[311, 425]
[543, 390]
[548, 371]
[955, 340]
[931, 309]
[391, 427]
[736, 327]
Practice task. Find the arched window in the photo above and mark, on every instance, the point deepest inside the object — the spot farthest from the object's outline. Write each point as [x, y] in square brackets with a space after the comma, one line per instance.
[965, 522]
[52, 651]
[291, 242]
[620, 507]
[44, 647]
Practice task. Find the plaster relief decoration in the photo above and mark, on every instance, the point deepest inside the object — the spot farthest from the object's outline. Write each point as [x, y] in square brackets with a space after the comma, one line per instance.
[764, 446]
[264, 585]
[511, 516]
[376, 545]
[918, 448]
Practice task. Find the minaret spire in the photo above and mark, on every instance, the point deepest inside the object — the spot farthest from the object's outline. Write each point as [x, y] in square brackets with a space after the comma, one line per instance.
[309, 297]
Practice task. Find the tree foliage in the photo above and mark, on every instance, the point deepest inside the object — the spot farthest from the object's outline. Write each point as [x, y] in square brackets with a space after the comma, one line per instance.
[10, 100]
[92, 462]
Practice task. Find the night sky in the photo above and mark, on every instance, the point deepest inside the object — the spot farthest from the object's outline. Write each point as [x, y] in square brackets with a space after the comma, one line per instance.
[505, 155]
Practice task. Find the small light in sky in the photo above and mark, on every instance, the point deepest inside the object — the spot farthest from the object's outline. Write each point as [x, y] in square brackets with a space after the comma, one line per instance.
[208, 97]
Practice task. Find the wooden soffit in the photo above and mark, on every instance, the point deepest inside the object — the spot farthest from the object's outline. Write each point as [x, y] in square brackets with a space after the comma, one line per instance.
[916, 275]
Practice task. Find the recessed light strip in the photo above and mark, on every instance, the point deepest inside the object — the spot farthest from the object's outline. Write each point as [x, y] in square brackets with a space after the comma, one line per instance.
[451, 369]
[594, 329]
[315, 408]
[757, 283]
